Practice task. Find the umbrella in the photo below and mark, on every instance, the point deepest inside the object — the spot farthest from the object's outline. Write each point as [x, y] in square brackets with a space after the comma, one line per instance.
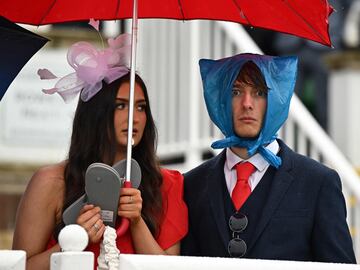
[17, 46]
[304, 18]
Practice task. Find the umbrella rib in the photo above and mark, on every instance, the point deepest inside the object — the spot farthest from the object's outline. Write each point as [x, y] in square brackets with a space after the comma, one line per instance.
[242, 13]
[181, 10]
[117, 8]
[47, 12]
[316, 32]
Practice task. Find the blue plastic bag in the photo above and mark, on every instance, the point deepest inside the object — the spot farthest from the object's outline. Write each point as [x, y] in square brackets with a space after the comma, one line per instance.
[218, 77]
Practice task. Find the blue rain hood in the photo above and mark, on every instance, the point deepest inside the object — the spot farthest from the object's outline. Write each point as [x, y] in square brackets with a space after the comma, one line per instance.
[218, 77]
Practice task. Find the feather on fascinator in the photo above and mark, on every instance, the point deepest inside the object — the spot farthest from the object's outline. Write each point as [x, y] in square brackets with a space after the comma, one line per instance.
[91, 66]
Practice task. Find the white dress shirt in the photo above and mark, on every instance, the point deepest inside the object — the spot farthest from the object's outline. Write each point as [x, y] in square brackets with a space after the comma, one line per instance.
[257, 160]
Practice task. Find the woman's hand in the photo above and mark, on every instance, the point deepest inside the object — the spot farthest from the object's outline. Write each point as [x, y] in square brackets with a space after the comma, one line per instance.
[130, 204]
[90, 219]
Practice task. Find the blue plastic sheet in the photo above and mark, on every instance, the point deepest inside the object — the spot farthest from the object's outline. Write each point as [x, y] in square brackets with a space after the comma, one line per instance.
[218, 77]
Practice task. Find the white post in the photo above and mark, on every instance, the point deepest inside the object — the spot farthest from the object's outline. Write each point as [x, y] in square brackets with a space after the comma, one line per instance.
[344, 112]
[193, 156]
[12, 259]
[111, 28]
[73, 239]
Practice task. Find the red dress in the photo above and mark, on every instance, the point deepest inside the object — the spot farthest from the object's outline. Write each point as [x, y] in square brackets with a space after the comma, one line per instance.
[175, 222]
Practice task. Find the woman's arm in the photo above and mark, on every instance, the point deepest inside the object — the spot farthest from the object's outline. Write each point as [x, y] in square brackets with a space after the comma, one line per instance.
[38, 213]
[130, 206]
[144, 242]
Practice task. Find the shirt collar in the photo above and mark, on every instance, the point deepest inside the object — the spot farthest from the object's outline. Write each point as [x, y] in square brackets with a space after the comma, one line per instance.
[257, 160]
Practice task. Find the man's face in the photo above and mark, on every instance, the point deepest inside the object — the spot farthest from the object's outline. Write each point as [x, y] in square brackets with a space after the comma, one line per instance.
[249, 108]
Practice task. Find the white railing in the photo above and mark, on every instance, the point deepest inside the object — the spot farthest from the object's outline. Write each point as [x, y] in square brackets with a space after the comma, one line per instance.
[162, 262]
[170, 52]
[65, 261]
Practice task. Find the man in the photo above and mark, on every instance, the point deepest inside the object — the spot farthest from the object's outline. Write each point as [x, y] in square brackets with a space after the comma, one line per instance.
[287, 207]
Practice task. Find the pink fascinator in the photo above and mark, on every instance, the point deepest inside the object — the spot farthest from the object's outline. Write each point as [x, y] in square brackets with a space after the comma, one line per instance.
[91, 66]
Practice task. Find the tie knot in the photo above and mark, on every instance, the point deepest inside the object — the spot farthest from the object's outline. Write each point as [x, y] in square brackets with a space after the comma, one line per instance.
[244, 170]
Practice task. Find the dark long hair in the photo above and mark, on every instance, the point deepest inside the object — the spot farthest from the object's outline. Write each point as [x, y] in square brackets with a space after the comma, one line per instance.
[93, 140]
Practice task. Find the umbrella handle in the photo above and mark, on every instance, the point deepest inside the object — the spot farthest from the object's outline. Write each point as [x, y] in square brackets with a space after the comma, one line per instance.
[124, 223]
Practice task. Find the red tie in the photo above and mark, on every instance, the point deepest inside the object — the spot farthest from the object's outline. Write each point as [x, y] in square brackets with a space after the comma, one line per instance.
[242, 189]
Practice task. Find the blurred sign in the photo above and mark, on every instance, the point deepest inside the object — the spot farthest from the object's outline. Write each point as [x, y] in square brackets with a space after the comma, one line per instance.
[31, 120]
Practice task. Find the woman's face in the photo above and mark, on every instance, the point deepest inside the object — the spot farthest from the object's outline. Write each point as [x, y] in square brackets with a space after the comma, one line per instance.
[121, 115]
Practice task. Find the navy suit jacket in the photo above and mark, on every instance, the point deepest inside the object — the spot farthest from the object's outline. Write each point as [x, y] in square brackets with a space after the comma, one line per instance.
[303, 217]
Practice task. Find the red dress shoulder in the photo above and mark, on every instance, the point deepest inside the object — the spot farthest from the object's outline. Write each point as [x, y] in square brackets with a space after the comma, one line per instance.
[175, 224]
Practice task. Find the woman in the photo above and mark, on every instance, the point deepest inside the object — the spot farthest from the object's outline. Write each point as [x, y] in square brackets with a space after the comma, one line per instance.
[100, 135]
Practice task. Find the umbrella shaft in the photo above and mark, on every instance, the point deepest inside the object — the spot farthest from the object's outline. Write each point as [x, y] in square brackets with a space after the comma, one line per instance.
[134, 34]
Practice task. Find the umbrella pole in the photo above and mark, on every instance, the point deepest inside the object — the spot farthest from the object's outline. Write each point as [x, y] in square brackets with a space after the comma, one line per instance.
[134, 33]
[124, 224]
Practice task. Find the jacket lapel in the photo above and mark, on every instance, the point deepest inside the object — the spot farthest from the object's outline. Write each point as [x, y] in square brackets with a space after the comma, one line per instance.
[215, 196]
[281, 182]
